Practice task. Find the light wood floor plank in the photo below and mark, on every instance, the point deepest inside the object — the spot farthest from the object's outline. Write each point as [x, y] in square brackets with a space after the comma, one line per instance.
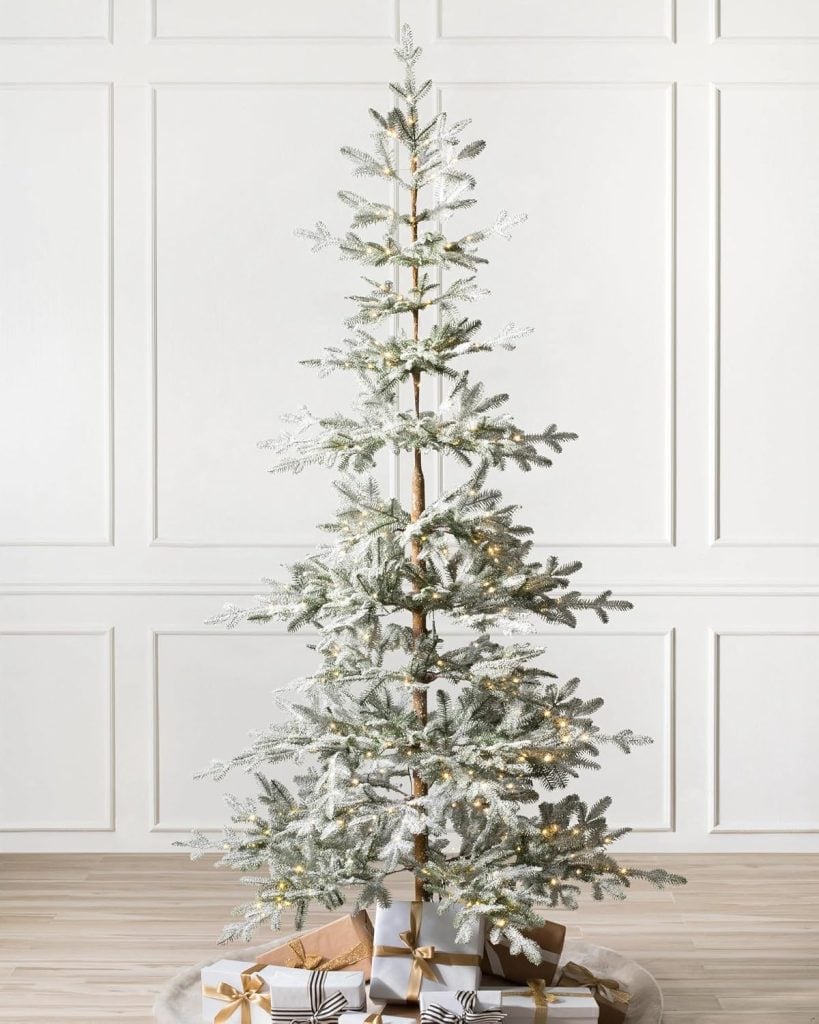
[97, 934]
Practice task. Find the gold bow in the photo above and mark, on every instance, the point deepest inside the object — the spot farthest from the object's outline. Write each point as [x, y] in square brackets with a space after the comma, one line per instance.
[424, 958]
[303, 959]
[315, 961]
[537, 992]
[605, 988]
[239, 1000]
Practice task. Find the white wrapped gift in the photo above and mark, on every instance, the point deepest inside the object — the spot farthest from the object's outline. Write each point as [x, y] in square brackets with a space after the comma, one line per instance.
[374, 1017]
[236, 992]
[476, 1007]
[539, 1004]
[316, 997]
[414, 950]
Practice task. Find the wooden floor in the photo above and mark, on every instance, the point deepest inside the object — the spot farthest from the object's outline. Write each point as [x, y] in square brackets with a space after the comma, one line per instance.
[92, 937]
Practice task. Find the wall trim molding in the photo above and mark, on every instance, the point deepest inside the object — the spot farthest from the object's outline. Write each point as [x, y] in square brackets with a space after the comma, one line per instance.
[156, 540]
[670, 35]
[107, 540]
[109, 824]
[714, 826]
[245, 588]
[156, 824]
[669, 635]
[669, 539]
[718, 37]
[393, 13]
[716, 536]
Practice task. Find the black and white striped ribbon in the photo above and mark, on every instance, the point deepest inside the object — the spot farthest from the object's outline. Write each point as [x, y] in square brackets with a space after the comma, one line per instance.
[437, 1014]
[323, 1010]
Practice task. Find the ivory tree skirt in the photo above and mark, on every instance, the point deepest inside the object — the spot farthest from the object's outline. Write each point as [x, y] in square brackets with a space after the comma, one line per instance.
[180, 1001]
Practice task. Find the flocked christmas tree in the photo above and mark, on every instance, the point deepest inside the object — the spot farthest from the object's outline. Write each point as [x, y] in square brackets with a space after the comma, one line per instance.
[414, 754]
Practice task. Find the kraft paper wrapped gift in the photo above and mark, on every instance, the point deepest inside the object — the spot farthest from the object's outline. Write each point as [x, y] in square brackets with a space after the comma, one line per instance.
[540, 1004]
[343, 945]
[499, 961]
[477, 1007]
[315, 997]
[415, 949]
[235, 992]
[612, 1000]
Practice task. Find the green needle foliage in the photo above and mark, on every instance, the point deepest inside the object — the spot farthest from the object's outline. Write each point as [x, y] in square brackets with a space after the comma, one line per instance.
[416, 754]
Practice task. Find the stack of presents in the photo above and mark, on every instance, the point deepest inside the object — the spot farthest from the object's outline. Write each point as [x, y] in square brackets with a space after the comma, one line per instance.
[413, 965]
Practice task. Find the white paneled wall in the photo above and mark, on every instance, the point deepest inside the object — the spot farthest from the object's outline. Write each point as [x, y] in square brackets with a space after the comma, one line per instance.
[155, 157]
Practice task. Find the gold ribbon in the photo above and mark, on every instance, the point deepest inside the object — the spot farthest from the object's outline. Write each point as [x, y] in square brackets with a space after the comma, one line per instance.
[424, 958]
[239, 1000]
[537, 992]
[315, 961]
[606, 988]
[373, 1018]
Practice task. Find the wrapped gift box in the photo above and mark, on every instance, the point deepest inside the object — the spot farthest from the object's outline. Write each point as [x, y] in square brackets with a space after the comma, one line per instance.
[482, 1006]
[612, 999]
[540, 1004]
[313, 996]
[240, 984]
[343, 945]
[456, 1002]
[374, 1017]
[499, 961]
[415, 950]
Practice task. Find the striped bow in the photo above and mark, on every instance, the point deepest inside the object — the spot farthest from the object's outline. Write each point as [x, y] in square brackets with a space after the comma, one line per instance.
[437, 1014]
[328, 1010]
[323, 1009]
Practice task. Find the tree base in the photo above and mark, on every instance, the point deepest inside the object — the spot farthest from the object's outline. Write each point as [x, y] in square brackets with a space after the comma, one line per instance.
[180, 1001]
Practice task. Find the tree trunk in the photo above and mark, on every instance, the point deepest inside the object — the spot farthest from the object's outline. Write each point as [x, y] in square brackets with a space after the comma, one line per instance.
[419, 619]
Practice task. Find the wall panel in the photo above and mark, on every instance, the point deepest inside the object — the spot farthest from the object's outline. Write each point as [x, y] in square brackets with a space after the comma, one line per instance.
[768, 19]
[61, 20]
[259, 19]
[232, 316]
[210, 692]
[155, 159]
[55, 390]
[766, 718]
[634, 674]
[555, 19]
[56, 730]
[601, 155]
[767, 358]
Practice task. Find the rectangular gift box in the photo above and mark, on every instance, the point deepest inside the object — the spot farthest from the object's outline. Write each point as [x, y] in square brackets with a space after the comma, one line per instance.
[297, 994]
[611, 997]
[499, 961]
[369, 1017]
[521, 1007]
[487, 999]
[234, 982]
[342, 945]
[431, 961]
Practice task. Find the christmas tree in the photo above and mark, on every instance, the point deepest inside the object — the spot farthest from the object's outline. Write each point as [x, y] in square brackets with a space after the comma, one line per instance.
[416, 755]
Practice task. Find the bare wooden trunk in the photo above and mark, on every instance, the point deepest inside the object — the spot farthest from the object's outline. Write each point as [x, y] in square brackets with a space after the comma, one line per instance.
[419, 619]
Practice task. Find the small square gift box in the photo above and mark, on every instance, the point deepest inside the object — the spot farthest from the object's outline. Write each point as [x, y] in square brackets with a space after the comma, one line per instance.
[498, 960]
[612, 999]
[345, 944]
[481, 1007]
[314, 997]
[415, 950]
[235, 992]
[539, 1004]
